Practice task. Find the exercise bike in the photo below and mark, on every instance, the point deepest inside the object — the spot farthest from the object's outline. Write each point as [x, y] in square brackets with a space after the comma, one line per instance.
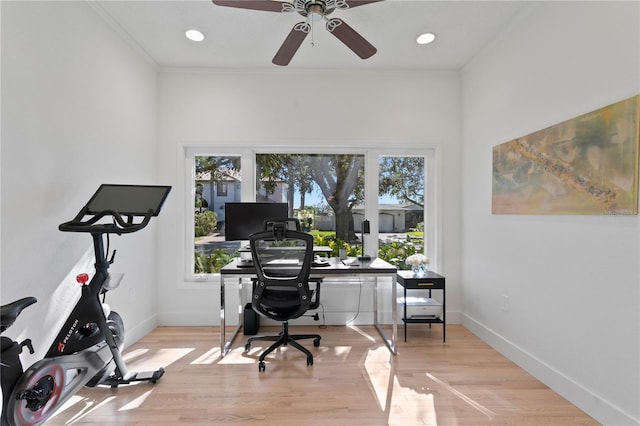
[87, 349]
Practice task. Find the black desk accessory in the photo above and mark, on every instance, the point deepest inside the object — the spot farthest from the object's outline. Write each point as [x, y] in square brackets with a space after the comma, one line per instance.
[366, 229]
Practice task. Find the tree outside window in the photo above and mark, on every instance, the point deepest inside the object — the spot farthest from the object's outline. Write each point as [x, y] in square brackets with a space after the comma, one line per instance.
[331, 185]
[213, 176]
[401, 208]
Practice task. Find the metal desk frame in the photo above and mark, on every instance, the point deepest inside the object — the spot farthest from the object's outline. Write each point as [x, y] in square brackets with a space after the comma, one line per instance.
[376, 267]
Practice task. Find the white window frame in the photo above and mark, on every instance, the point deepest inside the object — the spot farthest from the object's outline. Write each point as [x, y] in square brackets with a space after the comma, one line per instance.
[247, 152]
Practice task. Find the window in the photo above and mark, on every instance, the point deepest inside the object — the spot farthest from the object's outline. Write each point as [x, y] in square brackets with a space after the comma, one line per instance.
[326, 191]
[401, 209]
[221, 189]
[210, 250]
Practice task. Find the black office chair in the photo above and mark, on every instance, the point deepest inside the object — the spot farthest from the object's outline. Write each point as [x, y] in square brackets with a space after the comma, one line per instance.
[282, 258]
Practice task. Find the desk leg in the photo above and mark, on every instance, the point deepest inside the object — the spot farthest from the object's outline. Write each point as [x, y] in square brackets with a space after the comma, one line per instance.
[404, 314]
[225, 345]
[391, 344]
[222, 322]
[394, 311]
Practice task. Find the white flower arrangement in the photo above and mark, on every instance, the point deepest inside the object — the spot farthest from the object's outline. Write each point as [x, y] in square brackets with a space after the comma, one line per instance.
[417, 259]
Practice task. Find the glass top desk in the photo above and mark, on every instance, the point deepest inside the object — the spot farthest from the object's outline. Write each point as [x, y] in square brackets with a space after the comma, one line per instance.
[375, 267]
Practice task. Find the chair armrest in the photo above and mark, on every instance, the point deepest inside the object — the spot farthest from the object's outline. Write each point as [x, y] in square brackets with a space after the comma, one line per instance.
[315, 303]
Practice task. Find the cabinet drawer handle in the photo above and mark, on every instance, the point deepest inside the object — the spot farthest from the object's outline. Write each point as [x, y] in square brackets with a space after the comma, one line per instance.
[425, 284]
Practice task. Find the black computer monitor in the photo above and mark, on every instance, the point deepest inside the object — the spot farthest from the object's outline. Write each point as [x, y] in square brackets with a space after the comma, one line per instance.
[243, 219]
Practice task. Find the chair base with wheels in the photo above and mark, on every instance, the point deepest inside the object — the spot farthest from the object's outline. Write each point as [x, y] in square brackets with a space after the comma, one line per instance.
[284, 339]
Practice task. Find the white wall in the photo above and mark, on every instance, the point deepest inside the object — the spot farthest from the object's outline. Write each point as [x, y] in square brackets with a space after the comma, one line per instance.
[572, 281]
[299, 109]
[78, 109]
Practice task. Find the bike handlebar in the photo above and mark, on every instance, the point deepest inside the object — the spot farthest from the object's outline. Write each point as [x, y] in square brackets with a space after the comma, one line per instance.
[120, 225]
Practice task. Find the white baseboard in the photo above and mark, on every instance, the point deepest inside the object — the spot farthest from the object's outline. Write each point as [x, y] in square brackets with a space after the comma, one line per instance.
[138, 331]
[592, 404]
[195, 318]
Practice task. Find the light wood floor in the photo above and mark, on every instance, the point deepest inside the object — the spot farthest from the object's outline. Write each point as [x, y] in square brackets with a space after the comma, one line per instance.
[354, 381]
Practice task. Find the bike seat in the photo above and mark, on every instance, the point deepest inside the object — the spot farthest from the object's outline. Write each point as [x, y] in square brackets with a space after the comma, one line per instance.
[9, 313]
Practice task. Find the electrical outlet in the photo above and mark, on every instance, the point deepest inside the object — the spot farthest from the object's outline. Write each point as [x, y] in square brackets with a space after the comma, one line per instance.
[505, 303]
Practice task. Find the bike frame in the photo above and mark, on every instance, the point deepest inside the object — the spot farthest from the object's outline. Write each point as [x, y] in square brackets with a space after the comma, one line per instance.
[86, 357]
[89, 310]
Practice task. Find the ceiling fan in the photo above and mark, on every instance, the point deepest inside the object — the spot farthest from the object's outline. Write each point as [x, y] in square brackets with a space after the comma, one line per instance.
[312, 10]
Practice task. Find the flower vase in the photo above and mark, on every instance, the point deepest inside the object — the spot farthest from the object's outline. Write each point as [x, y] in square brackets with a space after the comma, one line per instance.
[419, 270]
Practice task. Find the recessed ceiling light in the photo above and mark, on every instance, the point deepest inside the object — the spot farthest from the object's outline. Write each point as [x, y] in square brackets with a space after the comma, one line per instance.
[194, 35]
[426, 38]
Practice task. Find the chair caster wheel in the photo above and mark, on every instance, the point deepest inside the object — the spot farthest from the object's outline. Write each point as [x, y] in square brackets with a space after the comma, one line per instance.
[247, 347]
[316, 342]
[261, 366]
[309, 361]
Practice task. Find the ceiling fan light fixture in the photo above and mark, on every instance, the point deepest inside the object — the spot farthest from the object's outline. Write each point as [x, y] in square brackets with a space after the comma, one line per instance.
[315, 12]
[194, 35]
[426, 38]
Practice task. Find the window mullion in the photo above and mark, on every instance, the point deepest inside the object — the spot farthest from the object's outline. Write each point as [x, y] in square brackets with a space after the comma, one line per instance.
[371, 170]
[248, 173]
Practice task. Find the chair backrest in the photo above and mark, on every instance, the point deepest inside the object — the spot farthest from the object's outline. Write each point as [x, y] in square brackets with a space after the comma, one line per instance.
[282, 258]
[290, 222]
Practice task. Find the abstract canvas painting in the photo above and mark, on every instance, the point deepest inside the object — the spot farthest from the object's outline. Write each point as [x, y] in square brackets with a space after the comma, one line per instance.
[585, 165]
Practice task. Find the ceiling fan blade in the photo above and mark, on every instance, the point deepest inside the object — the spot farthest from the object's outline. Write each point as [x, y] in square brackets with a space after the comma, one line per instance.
[291, 44]
[264, 5]
[356, 3]
[351, 38]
